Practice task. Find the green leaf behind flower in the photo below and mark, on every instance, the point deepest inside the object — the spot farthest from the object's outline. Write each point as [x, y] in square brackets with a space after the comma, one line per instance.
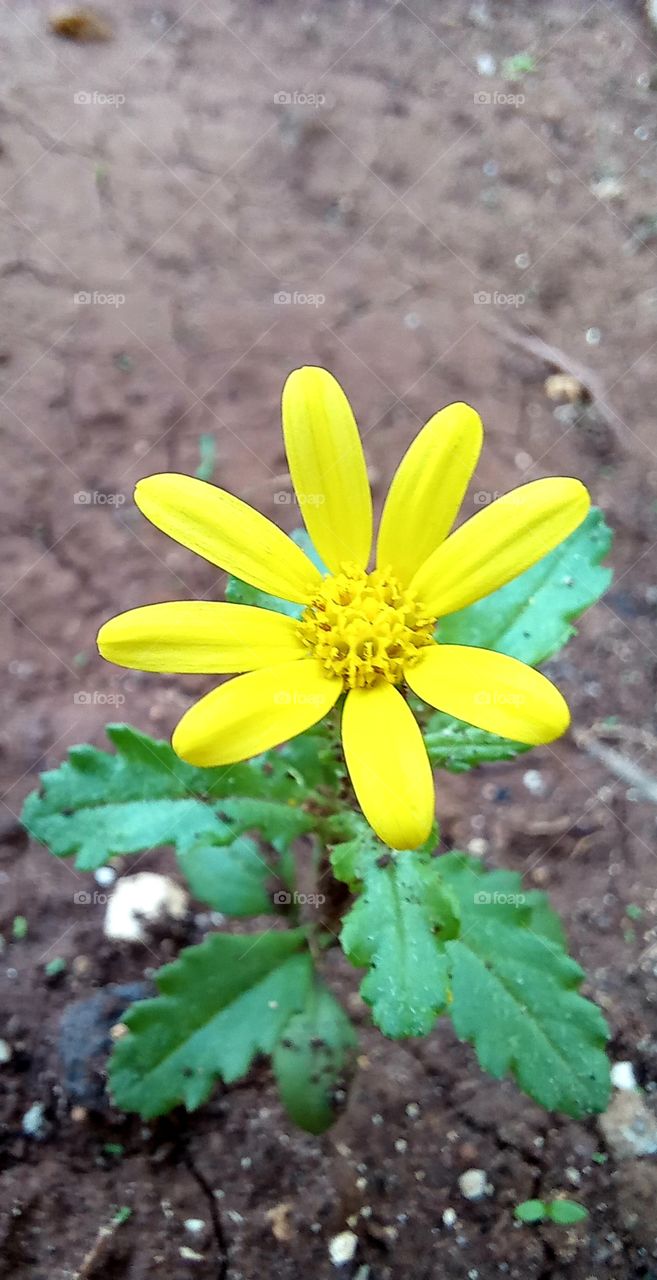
[314, 1059]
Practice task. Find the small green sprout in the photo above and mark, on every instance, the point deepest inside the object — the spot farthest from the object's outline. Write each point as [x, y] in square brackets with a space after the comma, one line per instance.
[55, 966]
[564, 1213]
[634, 912]
[19, 928]
[121, 1216]
[518, 65]
[207, 449]
[114, 1149]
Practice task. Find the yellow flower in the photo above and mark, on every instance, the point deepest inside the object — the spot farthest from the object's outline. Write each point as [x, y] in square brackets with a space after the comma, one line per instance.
[367, 634]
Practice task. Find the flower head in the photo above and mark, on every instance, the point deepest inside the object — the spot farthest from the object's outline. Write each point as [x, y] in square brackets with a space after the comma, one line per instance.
[365, 633]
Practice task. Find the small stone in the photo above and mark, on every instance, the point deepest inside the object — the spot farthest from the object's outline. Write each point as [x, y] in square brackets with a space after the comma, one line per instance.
[401, 1145]
[5, 1052]
[628, 1126]
[533, 781]
[146, 898]
[449, 1218]
[105, 876]
[473, 1184]
[279, 1217]
[563, 386]
[486, 64]
[574, 1176]
[190, 1255]
[195, 1226]
[412, 1110]
[622, 1076]
[34, 1123]
[342, 1248]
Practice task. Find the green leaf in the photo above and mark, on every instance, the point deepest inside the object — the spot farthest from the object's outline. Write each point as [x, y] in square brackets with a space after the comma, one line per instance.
[233, 878]
[96, 804]
[530, 1211]
[238, 592]
[313, 1059]
[566, 1212]
[530, 619]
[395, 928]
[220, 1004]
[515, 992]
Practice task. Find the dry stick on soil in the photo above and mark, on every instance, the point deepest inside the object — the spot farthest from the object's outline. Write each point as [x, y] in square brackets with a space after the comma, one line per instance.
[563, 363]
[619, 764]
[98, 1249]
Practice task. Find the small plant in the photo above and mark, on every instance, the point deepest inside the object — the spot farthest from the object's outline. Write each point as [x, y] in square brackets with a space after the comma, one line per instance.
[372, 678]
[565, 1213]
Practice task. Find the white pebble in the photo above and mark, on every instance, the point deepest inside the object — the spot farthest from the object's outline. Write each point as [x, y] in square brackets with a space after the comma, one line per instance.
[412, 1110]
[449, 1217]
[5, 1052]
[143, 898]
[533, 780]
[473, 1184]
[342, 1248]
[401, 1145]
[105, 876]
[622, 1076]
[486, 64]
[195, 1226]
[33, 1121]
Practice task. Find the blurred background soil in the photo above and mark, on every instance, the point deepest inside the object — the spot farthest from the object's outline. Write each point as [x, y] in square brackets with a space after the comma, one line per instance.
[411, 194]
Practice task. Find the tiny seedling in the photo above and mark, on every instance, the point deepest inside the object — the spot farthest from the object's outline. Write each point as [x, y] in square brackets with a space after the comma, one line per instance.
[565, 1213]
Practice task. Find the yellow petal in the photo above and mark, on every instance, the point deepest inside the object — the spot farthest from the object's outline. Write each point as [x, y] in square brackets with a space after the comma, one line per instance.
[427, 489]
[490, 690]
[500, 542]
[388, 764]
[228, 533]
[254, 712]
[327, 465]
[200, 635]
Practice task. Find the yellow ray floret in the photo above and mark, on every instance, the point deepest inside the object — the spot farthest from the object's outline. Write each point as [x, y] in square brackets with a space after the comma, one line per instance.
[366, 634]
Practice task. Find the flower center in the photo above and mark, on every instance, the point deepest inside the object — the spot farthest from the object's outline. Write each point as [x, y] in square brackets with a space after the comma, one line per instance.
[365, 626]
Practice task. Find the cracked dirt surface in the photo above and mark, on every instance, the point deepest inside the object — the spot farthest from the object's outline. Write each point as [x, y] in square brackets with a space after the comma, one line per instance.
[160, 176]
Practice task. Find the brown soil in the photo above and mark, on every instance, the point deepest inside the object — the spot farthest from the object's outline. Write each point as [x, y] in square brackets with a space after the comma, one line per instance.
[399, 199]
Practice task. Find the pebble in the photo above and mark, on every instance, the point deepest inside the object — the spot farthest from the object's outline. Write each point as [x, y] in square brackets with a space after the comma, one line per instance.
[105, 876]
[342, 1248]
[628, 1126]
[5, 1052]
[412, 1110]
[473, 1184]
[534, 782]
[622, 1076]
[194, 1225]
[145, 897]
[33, 1123]
[449, 1218]
[486, 64]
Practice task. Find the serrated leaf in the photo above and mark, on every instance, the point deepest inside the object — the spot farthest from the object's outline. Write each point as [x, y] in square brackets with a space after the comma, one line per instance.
[232, 878]
[239, 592]
[96, 804]
[395, 928]
[314, 1058]
[220, 1004]
[515, 992]
[530, 619]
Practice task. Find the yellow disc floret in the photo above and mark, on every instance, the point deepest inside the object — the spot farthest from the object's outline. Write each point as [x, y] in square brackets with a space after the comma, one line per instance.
[364, 627]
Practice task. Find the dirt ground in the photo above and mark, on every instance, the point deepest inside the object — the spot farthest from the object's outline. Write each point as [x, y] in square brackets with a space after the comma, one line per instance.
[215, 194]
